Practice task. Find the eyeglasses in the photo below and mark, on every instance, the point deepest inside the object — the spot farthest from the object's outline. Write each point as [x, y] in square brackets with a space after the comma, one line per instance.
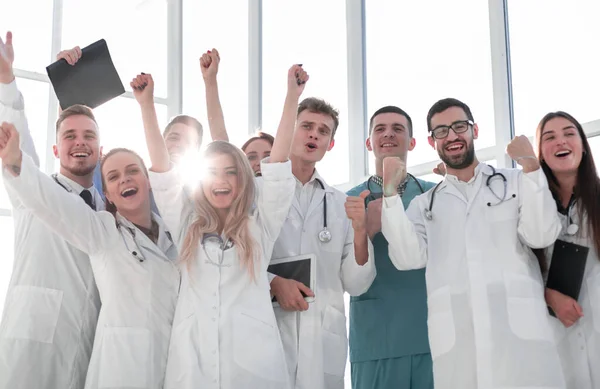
[440, 132]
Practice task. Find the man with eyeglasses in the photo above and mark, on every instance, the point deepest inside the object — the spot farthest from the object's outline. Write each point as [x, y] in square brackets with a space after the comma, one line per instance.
[388, 323]
[487, 318]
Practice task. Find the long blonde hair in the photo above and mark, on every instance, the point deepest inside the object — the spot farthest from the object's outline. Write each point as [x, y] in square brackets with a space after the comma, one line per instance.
[236, 227]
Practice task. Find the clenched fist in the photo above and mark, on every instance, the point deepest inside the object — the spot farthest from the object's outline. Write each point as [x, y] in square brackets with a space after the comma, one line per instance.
[521, 151]
[394, 173]
[355, 210]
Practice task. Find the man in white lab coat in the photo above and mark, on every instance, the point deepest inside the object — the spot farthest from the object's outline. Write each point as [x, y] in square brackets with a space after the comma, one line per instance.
[52, 304]
[314, 334]
[488, 321]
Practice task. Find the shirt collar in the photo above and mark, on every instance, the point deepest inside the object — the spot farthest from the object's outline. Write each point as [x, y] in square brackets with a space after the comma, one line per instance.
[478, 170]
[401, 188]
[75, 187]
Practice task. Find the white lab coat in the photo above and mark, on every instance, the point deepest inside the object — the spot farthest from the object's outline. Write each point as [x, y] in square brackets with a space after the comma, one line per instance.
[52, 303]
[579, 345]
[138, 297]
[489, 327]
[315, 341]
[225, 334]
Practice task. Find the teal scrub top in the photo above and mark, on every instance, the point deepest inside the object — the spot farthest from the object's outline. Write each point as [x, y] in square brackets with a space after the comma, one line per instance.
[390, 319]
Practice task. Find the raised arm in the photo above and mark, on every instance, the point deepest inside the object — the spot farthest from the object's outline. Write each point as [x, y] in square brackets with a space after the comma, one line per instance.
[209, 65]
[64, 213]
[12, 104]
[539, 223]
[406, 235]
[296, 81]
[143, 90]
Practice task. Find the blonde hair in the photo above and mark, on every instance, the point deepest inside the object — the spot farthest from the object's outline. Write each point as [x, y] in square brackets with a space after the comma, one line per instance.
[236, 228]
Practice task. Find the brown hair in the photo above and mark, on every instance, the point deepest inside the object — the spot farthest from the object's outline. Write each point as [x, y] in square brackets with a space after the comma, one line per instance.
[110, 207]
[188, 121]
[587, 186]
[260, 135]
[75, 110]
[315, 105]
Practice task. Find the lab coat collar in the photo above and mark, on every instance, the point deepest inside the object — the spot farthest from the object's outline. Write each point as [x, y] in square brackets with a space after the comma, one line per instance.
[163, 245]
[448, 183]
[76, 188]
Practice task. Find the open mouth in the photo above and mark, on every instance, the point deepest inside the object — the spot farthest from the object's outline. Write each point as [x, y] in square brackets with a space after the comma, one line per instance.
[80, 154]
[388, 145]
[129, 192]
[562, 153]
[454, 147]
[311, 146]
[221, 192]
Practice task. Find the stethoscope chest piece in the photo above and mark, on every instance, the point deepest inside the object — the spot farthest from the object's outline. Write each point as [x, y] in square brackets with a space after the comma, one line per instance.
[325, 235]
[572, 229]
[428, 215]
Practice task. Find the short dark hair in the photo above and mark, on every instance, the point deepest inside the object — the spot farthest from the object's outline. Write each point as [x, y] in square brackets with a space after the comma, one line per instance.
[315, 105]
[443, 105]
[261, 135]
[392, 109]
[188, 121]
[75, 110]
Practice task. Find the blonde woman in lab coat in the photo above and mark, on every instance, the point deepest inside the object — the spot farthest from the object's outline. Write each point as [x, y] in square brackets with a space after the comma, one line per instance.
[568, 163]
[225, 334]
[131, 254]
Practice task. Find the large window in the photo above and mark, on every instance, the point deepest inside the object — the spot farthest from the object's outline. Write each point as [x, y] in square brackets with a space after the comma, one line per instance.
[554, 60]
[135, 31]
[317, 40]
[31, 24]
[226, 29]
[421, 51]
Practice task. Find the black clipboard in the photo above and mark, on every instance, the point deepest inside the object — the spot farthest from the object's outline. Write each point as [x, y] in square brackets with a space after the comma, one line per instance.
[92, 81]
[567, 268]
[300, 268]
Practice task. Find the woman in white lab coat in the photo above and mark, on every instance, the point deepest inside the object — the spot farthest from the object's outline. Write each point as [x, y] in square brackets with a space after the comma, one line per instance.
[225, 334]
[569, 166]
[132, 257]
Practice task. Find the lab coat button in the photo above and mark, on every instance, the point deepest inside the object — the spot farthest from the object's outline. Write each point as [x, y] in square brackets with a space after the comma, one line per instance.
[214, 319]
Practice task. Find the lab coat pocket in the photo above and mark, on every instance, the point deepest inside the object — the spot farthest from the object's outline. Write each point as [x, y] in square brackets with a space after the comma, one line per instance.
[31, 313]
[527, 311]
[593, 285]
[335, 342]
[440, 321]
[257, 348]
[125, 357]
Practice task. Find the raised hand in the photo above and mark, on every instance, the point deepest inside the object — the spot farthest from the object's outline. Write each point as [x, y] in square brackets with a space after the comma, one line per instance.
[71, 56]
[209, 64]
[374, 217]
[297, 79]
[521, 151]
[394, 173]
[143, 88]
[7, 57]
[10, 151]
[440, 169]
[355, 210]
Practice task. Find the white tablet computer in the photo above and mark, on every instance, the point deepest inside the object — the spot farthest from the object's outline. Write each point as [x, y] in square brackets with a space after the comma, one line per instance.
[301, 268]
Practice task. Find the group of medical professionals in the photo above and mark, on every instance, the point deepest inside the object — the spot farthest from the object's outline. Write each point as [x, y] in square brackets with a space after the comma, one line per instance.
[141, 280]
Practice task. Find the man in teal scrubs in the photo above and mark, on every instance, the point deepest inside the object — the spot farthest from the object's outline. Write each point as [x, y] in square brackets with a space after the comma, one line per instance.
[389, 347]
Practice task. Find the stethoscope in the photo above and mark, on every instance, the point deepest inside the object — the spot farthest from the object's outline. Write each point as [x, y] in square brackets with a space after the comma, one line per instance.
[374, 195]
[572, 228]
[137, 253]
[324, 234]
[222, 246]
[428, 211]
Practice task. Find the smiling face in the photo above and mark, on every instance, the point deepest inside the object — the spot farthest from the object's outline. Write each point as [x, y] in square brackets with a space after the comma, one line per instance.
[126, 183]
[561, 146]
[220, 185]
[77, 145]
[456, 150]
[390, 136]
[181, 139]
